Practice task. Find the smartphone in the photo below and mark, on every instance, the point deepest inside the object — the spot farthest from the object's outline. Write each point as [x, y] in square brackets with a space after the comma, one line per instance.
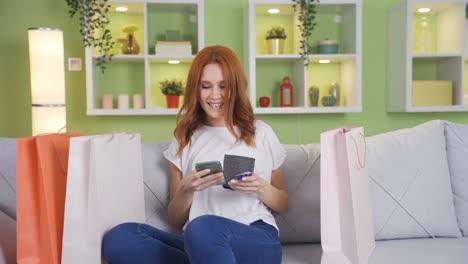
[214, 166]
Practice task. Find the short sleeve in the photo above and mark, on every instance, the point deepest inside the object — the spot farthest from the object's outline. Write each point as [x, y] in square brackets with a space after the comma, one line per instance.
[272, 145]
[171, 154]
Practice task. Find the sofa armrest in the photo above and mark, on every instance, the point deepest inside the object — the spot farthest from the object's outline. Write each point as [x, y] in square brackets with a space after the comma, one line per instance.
[7, 239]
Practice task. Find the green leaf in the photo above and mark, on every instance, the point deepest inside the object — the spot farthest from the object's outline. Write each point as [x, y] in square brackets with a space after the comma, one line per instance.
[306, 10]
[95, 13]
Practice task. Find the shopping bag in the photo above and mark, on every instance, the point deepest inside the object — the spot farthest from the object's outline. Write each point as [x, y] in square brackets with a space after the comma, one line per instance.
[41, 183]
[104, 189]
[347, 231]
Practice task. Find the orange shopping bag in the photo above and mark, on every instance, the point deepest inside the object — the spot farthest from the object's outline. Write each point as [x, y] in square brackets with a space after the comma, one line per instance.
[42, 163]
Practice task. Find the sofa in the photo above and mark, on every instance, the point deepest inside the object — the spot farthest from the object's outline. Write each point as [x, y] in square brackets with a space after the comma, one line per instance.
[419, 188]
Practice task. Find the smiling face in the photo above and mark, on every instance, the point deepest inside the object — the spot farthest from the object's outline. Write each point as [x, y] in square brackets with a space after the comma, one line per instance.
[216, 94]
[212, 94]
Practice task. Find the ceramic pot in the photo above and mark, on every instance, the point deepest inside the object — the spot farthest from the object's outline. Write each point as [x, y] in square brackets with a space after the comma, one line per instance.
[314, 93]
[328, 100]
[334, 91]
[275, 46]
[327, 46]
[172, 101]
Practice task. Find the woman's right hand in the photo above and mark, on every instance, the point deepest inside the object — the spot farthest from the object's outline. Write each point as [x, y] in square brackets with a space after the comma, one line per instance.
[182, 189]
[200, 180]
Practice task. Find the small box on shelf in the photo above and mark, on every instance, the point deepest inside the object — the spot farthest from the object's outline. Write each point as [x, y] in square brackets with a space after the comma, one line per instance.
[173, 48]
[432, 93]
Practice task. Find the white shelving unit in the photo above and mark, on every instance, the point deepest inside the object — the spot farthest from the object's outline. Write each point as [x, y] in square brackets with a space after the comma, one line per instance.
[141, 73]
[437, 53]
[336, 19]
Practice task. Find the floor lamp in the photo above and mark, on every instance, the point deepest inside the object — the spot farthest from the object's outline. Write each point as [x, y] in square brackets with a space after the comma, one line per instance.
[47, 68]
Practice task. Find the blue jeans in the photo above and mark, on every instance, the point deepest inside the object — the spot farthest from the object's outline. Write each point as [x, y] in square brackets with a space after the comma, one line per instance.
[207, 239]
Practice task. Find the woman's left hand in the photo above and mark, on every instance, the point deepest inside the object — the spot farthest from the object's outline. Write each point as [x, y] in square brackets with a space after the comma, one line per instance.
[248, 184]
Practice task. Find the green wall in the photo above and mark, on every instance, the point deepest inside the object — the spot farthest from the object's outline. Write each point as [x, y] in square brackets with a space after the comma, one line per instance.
[224, 20]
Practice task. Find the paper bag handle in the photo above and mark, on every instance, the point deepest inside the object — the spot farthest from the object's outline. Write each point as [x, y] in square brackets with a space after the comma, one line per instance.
[361, 163]
[112, 136]
[62, 167]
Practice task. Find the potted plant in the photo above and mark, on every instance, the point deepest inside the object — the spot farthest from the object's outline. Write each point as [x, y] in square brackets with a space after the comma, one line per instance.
[92, 15]
[275, 37]
[172, 89]
[307, 11]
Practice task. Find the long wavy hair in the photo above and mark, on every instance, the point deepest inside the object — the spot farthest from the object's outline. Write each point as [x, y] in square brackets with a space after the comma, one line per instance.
[237, 108]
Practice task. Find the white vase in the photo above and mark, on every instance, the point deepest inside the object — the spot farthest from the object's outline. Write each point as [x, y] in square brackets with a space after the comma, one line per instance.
[424, 37]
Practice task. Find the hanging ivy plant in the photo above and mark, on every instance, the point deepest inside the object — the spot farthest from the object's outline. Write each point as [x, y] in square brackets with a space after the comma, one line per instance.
[92, 15]
[307, 11]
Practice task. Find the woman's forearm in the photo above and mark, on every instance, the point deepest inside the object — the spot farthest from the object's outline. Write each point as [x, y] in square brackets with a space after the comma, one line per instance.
[180, 199]
[179, 208]
[276, 199]
[274, 193]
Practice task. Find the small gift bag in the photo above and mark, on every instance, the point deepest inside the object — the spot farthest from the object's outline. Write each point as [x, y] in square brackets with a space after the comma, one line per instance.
[347, 230]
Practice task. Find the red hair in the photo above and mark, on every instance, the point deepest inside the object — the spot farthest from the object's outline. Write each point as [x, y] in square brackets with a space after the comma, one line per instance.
[237, 108]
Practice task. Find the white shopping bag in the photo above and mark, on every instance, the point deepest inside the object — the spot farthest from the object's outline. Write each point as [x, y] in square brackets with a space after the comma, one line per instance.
[104, 189]
[347, 231]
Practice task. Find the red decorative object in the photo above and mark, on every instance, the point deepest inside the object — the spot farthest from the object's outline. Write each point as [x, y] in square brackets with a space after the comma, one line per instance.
[286, 93]
[264, 101]
[172, 101]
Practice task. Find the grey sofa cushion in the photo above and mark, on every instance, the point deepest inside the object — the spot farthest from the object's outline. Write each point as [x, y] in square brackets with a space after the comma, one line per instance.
[7, 239]
[302, 174]
[156, 175]
[457, 153]
[8, 176]
[421, 251]
[410, 183]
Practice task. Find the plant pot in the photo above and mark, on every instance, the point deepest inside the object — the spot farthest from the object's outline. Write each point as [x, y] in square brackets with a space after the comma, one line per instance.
[275, 46]
[172, 101]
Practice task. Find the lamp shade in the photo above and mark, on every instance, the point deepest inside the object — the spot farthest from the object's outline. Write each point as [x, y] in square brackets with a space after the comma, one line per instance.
[47, 67]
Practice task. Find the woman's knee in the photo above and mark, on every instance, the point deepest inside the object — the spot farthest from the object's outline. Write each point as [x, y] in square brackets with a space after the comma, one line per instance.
[116, 239]
[202, 225]
[203, 222]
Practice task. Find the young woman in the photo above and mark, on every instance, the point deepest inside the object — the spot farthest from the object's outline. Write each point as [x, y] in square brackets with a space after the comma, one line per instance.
[220, 225]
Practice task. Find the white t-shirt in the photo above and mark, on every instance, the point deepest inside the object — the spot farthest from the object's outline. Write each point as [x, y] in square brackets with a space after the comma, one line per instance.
[212, 143]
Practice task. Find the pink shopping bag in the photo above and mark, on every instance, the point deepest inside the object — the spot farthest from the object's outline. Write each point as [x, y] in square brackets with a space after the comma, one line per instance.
[347, 230]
